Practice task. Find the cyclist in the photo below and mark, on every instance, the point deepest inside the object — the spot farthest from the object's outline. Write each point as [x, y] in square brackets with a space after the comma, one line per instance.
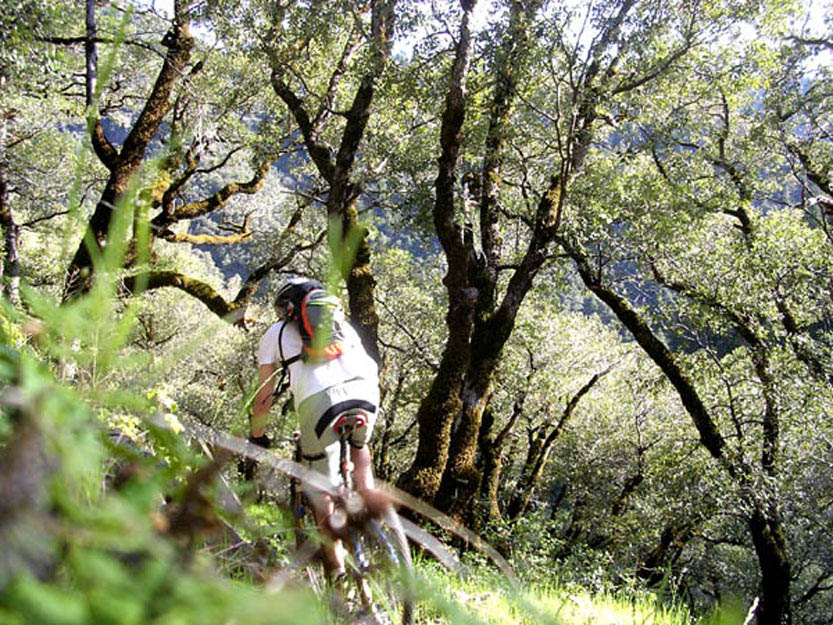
[321, 391]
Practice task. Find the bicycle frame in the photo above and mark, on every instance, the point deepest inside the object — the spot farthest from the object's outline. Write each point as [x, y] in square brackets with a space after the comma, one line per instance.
[366, 538]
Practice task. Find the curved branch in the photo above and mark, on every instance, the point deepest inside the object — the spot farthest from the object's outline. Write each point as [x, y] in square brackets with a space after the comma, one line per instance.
[228, 311]
[73, 41]
[335, 80]
[811, 41]
[320, 154]
[33, 222]
[104, 150]
[241, 233]
[207, 239]
[536, 462]
[660, 68]
[102, 146]
[253, 281]
[192, 210]
[662, 356]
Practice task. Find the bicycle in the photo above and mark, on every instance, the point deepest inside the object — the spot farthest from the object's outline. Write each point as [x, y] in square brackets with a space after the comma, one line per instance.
[379, 563]
[381, 560]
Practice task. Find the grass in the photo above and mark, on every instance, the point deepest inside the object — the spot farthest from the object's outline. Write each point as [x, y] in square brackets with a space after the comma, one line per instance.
[486, 599]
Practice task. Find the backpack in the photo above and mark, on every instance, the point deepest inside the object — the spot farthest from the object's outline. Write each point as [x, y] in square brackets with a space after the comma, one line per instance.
[320, 318]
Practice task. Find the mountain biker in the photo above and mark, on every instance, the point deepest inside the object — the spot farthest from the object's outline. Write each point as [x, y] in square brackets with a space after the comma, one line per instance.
[321, 391]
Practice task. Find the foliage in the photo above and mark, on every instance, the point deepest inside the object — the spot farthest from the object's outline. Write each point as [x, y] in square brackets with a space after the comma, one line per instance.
[703, 199]
[89, 541]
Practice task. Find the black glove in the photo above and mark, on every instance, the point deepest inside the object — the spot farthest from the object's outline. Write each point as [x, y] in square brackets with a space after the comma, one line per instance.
[246, 466]
[262, 441]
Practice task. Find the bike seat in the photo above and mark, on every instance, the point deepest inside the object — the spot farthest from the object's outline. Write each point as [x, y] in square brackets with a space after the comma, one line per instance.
[350, 421]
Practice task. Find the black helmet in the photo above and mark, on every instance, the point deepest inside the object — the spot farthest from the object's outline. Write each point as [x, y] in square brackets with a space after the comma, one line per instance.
[292, 291]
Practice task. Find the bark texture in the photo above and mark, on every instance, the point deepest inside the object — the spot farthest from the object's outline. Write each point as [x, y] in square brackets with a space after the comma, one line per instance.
[336, 167]
[442, 403]
[123, 164]
[775, 606]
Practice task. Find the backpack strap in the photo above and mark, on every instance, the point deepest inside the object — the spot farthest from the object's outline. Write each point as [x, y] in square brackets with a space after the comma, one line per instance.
[280, 387]
[285, 362]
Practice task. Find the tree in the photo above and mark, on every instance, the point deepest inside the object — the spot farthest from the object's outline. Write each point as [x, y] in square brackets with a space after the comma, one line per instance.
[707, 174]
[573, 100]
[27, 106]
[285, 52]
[165, 187]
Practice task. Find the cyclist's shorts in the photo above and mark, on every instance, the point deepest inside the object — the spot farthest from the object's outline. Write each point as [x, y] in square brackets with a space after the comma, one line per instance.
[319, 442]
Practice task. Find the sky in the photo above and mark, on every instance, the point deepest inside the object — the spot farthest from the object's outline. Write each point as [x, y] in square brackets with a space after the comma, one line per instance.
[813, 24]
[479, 17]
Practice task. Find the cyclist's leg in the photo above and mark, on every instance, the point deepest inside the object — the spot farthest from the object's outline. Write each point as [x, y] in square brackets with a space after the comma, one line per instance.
[362, 467]
[321, 454]
[367, 392]
[333, 549]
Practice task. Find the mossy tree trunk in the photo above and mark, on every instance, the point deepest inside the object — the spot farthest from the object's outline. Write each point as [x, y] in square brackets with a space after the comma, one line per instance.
[495, 319]
[124, 163]
[442, 402]
[336, 166]
[491, 464]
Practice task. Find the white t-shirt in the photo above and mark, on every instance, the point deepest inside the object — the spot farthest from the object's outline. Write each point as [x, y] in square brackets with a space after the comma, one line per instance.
[307, 378]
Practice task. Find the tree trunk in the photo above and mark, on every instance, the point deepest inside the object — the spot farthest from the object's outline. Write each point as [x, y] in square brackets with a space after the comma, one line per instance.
[11, 238]
[653, 566]
[437, 409]
[771, 548]
[361, 284]
[492, 461]
[443, 403]
[124, 164]
[491, 466]
[765, 524]
[466, 267]
[539, 451]
[462, 476]
[522, 493]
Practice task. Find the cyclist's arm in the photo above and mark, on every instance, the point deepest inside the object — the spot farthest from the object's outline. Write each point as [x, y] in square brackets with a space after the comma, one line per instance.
[263, 400]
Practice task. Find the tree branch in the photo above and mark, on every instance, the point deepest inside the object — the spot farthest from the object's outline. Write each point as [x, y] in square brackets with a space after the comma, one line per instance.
[33, 222]
[320, 154]
[102, 146]
[192, 210]
[328, 104]
[253, 281]
[229, 311]
[662, 356]
[206, 239]
[179, 43]
[73, 41]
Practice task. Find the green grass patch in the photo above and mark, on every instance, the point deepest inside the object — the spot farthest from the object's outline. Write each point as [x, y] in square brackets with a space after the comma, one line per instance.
[484, 597]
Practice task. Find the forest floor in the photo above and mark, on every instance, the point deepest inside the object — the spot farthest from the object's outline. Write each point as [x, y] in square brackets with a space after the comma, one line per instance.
[483, 599]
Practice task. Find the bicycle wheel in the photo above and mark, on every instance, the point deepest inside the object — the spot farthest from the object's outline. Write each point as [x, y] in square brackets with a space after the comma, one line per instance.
[384, 571]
